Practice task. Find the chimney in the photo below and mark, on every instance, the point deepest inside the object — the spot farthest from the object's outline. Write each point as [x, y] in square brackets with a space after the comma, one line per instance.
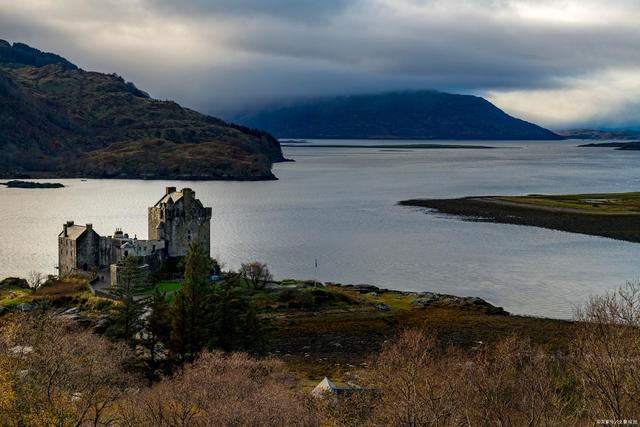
[169, 190]
[188, 195]
[66, 226]
[89, 226]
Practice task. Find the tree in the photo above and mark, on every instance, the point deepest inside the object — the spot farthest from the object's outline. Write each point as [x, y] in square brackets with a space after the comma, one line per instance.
[606, 353]
[256, 273]
[219, 389]
[157, 329]
[234, 323]
[189, 328]
[128, 322]
[53, 372]
[35, 280]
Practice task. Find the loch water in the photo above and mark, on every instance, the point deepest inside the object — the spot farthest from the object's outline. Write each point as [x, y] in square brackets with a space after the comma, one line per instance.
[338, 205]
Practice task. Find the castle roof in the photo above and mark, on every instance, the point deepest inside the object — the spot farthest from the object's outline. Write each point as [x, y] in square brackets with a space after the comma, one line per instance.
[170, 198]
[74, 231]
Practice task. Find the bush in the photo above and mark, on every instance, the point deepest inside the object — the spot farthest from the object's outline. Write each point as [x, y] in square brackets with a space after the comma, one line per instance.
[221, 390]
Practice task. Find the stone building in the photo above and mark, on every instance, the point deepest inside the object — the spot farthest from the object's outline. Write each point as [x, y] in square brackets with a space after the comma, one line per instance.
[176, 221]
[78, 248]
[180, 220]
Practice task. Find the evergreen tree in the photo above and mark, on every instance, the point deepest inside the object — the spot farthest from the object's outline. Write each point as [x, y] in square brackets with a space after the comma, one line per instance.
[128, 320]
[157, 328]
[189, 327]
[235, 325]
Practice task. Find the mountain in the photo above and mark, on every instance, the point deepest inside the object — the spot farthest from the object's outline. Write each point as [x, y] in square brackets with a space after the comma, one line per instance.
[57, 120]
[599, 134]
[397, 115]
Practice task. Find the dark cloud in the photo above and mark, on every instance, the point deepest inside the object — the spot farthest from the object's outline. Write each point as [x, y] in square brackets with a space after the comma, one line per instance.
[223, 55]
[306, 10]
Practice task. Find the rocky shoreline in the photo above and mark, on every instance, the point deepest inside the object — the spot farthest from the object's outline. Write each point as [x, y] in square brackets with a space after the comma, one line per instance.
[425, 299]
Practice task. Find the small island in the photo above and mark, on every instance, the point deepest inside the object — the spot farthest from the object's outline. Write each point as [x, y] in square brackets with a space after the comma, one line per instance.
[31, 184]
[624, 146]
[612, 215]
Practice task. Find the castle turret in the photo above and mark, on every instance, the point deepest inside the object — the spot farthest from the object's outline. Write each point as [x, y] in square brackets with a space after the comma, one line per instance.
[180, 219]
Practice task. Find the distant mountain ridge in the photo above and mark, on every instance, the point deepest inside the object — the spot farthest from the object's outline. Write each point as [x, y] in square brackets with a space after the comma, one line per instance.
[60, 121]
[394, 115]
[599, 134]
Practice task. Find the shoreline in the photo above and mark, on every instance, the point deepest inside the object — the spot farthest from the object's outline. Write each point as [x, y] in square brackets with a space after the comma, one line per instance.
[396, 146]
[618, 226]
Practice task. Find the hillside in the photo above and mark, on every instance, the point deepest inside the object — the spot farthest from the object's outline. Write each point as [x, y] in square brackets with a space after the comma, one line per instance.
[60, 121]
[399, 115]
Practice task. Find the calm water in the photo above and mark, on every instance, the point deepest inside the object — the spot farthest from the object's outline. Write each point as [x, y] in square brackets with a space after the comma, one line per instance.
[338, 205]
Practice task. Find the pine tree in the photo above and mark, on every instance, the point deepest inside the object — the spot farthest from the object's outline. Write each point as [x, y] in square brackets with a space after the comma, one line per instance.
[235, 325]
[189, 328]
[128, 322]
[157, 328]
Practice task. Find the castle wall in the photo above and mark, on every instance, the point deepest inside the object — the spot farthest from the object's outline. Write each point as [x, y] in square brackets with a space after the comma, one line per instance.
[81, 253]
[175, 222]
[66, 255]
[87, 251]
[180, 223]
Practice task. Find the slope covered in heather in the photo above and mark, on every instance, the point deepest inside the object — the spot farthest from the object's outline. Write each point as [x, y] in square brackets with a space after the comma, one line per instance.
[58, 120]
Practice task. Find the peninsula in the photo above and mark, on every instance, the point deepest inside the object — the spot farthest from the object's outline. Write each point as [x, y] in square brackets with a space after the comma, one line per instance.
[612, 215]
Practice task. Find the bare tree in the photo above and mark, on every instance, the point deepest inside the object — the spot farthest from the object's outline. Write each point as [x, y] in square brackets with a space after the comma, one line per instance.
[220, 390]
[56, 374]
[35, 280]
[256, 273]
[416, 382]
[606, 354]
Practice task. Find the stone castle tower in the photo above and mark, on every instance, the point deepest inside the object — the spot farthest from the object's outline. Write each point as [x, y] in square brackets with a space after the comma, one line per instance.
[180, 219]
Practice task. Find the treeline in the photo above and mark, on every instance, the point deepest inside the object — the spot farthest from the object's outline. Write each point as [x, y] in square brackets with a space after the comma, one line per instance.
[203, 315]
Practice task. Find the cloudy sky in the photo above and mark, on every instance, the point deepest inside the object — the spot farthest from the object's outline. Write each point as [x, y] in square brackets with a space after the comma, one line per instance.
[561, 63]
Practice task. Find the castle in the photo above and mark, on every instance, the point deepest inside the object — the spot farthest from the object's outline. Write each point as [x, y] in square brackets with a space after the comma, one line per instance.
[176, 221]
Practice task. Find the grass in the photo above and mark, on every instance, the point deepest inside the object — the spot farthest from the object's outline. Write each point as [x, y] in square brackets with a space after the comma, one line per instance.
[599, 203]
[168, 287]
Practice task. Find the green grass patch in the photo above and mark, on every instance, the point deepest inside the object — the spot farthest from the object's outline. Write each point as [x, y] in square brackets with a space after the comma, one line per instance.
[599, 203]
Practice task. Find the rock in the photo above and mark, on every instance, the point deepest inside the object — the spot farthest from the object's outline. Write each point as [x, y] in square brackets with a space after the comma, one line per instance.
[13, 283]
[383, 307]
[422, 302]
[83, 321]
[497, 311]
[364, 289]
[25, 307]
[21, 349]
[102, 324]
[72, 310]
[373, 294]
